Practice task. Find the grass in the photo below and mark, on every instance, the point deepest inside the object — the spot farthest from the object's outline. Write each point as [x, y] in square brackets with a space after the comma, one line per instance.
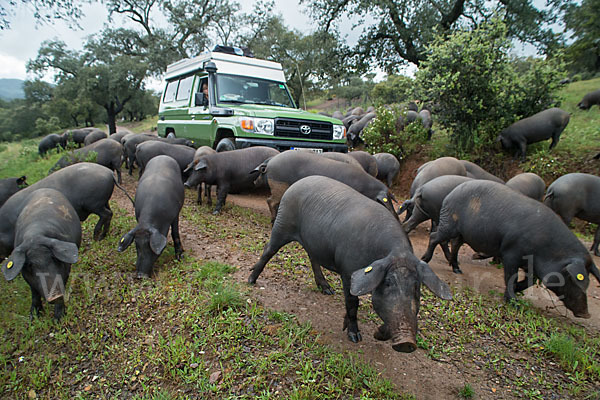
[466, 392]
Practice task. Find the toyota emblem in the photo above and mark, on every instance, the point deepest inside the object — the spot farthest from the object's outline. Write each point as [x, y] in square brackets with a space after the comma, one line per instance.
[305, 129]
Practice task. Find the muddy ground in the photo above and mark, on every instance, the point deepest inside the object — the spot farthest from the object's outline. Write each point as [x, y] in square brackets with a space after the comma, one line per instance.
[411, 373]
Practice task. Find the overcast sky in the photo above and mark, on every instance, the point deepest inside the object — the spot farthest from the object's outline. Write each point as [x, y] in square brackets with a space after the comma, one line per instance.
[22, 41]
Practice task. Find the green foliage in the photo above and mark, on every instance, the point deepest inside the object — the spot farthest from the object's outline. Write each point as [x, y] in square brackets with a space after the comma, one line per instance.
[466, 392]
[383, 135]
[582, 19]
[477, 88]
[546, 165]
[395, 33]
[573, 355]
[44, 127]
[395, 89]
[311, 62]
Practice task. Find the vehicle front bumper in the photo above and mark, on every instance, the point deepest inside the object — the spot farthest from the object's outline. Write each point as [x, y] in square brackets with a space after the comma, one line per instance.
[282, 145]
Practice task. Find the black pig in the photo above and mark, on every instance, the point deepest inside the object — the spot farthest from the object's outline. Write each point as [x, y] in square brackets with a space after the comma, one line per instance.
[158, 200]
[323, 215]
[47, 239]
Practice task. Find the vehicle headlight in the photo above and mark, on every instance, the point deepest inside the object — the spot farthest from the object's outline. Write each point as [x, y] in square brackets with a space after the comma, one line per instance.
[339, 131]
[263, 126]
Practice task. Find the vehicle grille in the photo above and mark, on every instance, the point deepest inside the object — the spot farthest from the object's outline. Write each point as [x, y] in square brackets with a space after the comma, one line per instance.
[286, 127]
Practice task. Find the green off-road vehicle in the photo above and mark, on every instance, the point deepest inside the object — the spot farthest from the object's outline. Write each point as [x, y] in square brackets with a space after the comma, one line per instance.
[247, 104]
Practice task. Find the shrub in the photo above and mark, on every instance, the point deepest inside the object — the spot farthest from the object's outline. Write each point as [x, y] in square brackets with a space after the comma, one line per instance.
[395, 89]
[478, 88]
[383, 135]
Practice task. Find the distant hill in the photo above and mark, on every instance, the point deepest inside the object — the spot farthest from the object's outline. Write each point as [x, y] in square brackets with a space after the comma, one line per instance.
[11, 89]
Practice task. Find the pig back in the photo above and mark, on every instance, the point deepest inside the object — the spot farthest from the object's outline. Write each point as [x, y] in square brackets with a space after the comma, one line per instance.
[160, 192]
[48, 213]
[336, 224]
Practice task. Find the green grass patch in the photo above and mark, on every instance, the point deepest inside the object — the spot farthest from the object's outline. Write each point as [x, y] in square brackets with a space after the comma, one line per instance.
[22, 158]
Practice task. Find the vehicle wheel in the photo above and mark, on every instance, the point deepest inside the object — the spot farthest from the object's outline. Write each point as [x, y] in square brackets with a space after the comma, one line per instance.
[171, 135]
[225, 144]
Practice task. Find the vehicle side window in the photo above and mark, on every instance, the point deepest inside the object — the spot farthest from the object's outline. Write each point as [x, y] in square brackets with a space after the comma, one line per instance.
[170, 91]
[185, 87]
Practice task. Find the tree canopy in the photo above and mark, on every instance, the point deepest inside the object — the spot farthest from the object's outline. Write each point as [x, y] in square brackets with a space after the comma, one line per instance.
[395, 33]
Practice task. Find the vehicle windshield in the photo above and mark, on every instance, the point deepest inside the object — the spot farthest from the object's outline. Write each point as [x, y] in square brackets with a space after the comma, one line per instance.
[246, 90]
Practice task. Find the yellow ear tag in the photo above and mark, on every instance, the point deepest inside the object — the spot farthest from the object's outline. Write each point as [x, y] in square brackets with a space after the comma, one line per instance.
[122, 239]
[9, 265]
[580, 277]
[385, 199]
[368, 269]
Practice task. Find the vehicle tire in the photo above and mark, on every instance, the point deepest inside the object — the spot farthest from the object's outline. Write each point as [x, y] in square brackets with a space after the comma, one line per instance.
[225, 144]
[171, 135]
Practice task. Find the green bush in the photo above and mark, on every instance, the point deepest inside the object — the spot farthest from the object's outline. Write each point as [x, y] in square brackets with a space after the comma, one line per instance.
[395, 89]
[44, 127]
[383, 135]
[479, 89]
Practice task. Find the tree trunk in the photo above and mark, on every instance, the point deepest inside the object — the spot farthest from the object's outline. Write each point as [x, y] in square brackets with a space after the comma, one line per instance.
[111, 118]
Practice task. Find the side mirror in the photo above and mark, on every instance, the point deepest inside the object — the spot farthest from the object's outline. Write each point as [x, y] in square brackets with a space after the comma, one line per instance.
[200, 100]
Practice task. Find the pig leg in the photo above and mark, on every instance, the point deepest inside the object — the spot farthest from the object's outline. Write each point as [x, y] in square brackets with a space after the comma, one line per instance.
[522, 149]
[457, 242]
[207, 190]
[555, 139]
[435, 238]
[319, 278]
[102, 227]
[275, 243]
[59, 309]
[199, 199]
[130, 164]
[511, 274]
[350, 319]
[36, 304]
[176, 239]
[594, 247]
[119, 179]
[222, 191]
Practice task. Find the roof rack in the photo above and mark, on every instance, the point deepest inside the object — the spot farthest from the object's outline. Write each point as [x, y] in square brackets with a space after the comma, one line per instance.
[237, 51]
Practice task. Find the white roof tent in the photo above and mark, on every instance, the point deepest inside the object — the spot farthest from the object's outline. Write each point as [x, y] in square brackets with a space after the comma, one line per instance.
[228, 64]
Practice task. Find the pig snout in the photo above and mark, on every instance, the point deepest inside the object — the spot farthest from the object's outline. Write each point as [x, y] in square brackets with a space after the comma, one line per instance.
[584, 314]
[54, 295]
[404, 343]
[403, 340]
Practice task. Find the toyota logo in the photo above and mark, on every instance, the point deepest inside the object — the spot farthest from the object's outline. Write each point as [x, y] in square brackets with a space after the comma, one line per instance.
[305, 129]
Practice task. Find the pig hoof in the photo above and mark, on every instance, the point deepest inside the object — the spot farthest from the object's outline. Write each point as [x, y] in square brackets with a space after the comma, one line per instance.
[355, 337]
[142, 275]
[457, 270]
[216, 212]
[381, 334]
[327, 290]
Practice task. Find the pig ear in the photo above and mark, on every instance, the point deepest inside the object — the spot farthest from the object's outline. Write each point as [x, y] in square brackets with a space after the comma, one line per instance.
[366, 279]
[64, 251]
[383, 198]
[189, 166]
[578, 274]
[594, 271]
[201, 165]
[22, 182]
[157, 241]
[431, 280]
[14, 264]
[126, 239]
